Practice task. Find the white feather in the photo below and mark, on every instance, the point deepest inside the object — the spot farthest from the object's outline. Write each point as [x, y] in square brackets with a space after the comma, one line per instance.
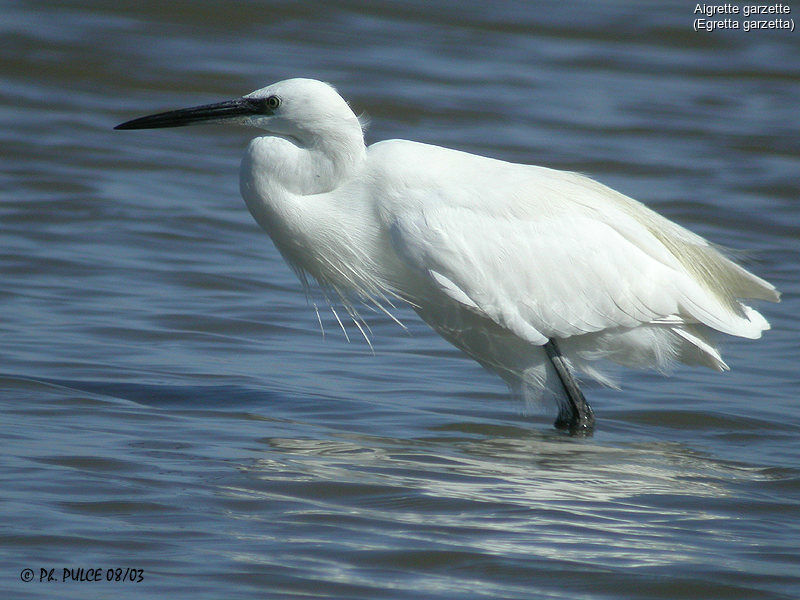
[497, 257]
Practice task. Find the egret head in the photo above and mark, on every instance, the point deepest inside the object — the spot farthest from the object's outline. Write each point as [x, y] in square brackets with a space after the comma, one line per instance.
[302, 109]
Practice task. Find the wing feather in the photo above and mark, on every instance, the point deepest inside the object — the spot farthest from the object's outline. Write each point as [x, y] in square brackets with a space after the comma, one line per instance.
[546, 253]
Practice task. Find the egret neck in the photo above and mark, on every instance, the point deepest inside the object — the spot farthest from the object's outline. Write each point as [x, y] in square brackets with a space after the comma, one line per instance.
[292, 177]
[276, 169]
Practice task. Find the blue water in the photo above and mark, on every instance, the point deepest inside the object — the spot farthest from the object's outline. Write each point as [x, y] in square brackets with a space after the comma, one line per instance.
[169, 404]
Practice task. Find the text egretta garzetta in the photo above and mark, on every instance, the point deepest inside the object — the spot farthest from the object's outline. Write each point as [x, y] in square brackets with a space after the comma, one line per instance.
[533, 272]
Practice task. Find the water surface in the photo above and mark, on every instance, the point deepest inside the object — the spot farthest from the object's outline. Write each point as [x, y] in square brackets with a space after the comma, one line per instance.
[169, 404]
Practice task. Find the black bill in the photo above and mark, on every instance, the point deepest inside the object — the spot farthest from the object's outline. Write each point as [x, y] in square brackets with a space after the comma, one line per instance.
[208, 113]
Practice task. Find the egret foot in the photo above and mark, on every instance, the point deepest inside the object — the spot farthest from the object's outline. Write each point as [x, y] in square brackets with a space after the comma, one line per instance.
[577, 416]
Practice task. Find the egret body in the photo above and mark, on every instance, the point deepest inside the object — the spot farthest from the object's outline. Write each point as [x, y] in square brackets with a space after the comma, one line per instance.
[535, 273]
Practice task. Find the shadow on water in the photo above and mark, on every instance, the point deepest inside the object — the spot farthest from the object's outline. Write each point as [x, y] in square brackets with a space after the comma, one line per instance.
[489, 500]
[481, 502]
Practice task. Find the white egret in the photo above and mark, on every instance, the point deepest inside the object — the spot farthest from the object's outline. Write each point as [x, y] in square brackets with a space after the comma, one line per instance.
[533, 272]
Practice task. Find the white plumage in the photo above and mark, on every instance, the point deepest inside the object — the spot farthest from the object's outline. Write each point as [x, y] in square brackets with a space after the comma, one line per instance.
[499, 258]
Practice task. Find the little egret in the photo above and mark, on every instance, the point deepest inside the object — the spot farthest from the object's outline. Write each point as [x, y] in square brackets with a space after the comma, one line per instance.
[533, 272]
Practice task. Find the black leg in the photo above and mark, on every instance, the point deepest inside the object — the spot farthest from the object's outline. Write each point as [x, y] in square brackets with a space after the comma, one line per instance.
[576, 416]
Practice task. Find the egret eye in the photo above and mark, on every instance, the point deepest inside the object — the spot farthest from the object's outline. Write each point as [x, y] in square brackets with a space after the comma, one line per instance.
[273, 102]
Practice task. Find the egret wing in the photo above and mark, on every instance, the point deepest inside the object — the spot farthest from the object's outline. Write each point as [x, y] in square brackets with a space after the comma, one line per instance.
[539, 278]
[546, 254]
